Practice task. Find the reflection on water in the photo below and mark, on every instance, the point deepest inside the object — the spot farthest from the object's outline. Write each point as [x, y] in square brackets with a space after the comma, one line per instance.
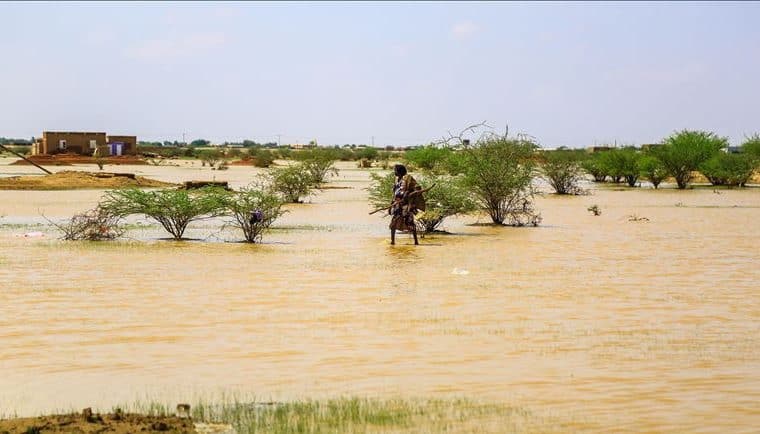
[627, 326]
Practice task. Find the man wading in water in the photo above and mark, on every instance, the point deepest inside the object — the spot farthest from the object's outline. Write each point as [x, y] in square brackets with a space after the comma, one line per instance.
[404, 205]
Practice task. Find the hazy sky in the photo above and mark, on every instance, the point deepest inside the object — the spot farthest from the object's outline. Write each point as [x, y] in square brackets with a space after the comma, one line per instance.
[567, 73]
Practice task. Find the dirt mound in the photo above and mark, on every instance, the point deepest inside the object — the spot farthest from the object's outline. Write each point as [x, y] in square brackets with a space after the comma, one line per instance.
[112, 423]
[698, 178]
[69, 180]
[69, 159]
[249, 162]
[242, 163]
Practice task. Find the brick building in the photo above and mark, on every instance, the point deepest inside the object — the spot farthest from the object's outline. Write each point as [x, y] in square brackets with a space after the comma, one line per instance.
[83, 143]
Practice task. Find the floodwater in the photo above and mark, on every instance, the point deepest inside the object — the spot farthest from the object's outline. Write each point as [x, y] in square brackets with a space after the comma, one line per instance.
[603, 323]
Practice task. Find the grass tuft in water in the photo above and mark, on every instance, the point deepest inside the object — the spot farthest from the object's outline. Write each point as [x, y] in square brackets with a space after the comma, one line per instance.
[361, 415]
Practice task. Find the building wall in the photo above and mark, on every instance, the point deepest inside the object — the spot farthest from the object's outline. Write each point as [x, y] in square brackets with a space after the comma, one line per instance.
[83, 143]
[130, 143]
[595, 149]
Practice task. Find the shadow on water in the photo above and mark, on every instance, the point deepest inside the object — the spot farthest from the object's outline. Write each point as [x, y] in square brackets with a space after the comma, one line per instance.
[403, 252]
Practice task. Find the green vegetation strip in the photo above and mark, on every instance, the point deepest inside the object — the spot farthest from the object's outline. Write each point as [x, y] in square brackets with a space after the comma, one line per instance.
[360, 415]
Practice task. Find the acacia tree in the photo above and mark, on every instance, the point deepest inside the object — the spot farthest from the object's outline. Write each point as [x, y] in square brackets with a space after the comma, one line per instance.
[253, 210]
[683, 152]
[174, 209]
[562, 170]
[499, 171]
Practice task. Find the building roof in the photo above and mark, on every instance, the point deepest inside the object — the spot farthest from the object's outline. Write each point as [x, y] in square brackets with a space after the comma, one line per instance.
[73, 132]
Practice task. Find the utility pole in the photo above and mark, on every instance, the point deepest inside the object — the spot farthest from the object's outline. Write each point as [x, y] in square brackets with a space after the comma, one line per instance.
[373, 141]
[25, 159]
[183, 138]
[278, 140]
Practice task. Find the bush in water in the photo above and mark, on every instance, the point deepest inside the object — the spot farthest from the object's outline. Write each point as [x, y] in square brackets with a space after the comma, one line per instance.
[174, 209]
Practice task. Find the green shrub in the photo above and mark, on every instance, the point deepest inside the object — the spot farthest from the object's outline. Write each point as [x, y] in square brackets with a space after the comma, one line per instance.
[608, 162]
[317, 154]
[320, 165]
[284, 153]
[261, 157]
[233, 153]
[652, 170]
[751, 146]
[684, 151]
[210, 156]
[620, 164]
[427, 157]
[448, 198]
[562, 170]
[253, 210]
[499, 171]
[381, 189]
[174, 209]
[594, 167]
[628, 164]
[728, 169]
[293, 182]
[344, 154]
[366, 153]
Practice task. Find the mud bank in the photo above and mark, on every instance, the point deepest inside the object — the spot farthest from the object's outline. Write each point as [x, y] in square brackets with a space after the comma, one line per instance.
[112, 423]
[70, 180]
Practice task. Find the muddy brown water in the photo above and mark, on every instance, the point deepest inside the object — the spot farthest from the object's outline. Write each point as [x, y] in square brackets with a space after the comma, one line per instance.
[604, 323]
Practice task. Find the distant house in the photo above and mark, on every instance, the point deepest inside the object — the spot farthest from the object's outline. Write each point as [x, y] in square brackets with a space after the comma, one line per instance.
[650, 146]
[733, 150]
[302, 146]
[595, 149]
[83, 143]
